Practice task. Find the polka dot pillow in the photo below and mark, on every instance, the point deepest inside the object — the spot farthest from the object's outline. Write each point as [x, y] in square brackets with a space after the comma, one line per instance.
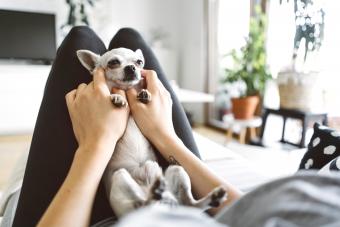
[322, 148]
[333, 165]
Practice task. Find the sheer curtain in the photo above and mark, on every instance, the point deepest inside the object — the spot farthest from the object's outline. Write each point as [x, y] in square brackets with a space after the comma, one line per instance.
[228, 26]
[280, 34]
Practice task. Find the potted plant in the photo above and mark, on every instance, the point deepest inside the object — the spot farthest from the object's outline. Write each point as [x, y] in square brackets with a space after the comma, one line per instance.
[77, 13]
[249, 72]
[299, 86]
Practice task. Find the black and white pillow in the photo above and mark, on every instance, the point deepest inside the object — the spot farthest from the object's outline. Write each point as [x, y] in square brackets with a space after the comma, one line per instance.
[333, 165]
[323, 147]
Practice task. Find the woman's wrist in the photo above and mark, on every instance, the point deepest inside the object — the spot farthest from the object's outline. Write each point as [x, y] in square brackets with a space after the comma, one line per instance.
[99, 142]
[164, 143]
[100, 150]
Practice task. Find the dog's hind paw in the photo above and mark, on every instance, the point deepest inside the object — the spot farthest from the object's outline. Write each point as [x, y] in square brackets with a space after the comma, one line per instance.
[218, 196]
[138, 204]
[157, 189]
[144, 96]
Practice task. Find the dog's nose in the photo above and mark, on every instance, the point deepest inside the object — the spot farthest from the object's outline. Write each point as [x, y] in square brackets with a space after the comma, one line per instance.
[129, 69]
[130, 73]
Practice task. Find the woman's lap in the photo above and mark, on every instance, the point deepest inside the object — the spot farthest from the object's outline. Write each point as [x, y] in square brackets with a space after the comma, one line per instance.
[53, 144]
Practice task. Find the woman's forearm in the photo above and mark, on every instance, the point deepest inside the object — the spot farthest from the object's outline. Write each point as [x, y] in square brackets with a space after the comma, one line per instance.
[72, 204]
[203, 180]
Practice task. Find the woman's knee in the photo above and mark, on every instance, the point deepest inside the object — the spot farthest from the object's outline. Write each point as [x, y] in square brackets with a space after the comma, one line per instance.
[80, 32]
[82, 37]
[128, 38]
[128, 31]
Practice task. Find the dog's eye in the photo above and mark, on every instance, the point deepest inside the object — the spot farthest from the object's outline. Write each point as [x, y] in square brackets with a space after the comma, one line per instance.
[139, 62]
[113, 63]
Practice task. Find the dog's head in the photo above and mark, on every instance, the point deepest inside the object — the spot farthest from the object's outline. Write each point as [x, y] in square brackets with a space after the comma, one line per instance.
[122, 66]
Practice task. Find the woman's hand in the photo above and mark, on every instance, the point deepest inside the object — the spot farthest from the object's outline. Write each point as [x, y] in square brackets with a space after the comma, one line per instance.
[155, 118]
[94, 119]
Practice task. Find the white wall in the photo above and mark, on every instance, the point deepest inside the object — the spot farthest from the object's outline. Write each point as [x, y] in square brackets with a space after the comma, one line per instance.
[145, 16]
[21, 91]
[109, 15]
[193, 51]
[183, 20]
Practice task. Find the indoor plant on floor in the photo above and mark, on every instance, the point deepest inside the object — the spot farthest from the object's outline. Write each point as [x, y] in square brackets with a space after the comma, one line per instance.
[249, 72]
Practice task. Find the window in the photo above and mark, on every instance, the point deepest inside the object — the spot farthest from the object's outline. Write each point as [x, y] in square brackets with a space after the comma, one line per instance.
[281, 30]
[233, 24]
[232, 29]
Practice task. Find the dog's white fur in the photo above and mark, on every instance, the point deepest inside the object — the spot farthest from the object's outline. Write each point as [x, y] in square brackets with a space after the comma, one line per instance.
[133, 177]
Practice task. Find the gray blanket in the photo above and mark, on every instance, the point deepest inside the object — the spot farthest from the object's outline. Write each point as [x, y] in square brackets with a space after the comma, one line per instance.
[303, 200]
[306, 199]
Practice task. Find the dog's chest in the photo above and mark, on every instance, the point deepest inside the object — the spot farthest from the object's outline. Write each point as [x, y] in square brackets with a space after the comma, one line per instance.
[132, 150]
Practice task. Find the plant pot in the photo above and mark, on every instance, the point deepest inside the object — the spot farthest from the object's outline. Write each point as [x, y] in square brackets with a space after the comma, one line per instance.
[300, 91]
[244, 108]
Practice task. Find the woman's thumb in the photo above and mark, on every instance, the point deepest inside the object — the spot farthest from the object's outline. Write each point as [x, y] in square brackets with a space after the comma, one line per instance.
[131, 95]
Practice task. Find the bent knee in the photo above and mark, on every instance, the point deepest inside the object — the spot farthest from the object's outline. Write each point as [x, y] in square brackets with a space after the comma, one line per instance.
[128, 31]
[80, 31]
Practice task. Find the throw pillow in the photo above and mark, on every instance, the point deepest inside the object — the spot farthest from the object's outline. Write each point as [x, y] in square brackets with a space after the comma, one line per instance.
[323, 147]
[333, 165]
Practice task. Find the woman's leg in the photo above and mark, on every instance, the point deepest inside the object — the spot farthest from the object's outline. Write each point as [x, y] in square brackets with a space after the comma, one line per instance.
[130, 38]
[53, 144]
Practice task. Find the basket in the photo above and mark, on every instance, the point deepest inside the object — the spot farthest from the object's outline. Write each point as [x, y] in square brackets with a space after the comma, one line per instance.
[300, 91]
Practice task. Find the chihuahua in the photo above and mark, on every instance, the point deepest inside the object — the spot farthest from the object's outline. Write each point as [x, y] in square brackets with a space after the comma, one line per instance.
[133, 177]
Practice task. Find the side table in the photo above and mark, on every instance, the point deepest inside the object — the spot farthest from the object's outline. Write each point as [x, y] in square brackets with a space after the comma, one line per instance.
[304, 117]
[241, 126]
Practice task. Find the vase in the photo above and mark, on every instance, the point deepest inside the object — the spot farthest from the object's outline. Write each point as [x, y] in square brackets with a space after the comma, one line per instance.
[244, 108]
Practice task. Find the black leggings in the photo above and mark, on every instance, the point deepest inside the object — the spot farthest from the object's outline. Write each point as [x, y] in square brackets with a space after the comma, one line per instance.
[53, 144]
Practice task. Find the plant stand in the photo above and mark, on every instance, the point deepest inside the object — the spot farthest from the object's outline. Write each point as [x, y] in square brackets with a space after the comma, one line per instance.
[304, 117]
[240, 127]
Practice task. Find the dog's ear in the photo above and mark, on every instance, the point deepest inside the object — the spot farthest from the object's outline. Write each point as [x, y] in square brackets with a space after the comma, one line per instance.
[140, 54]
[88, 59]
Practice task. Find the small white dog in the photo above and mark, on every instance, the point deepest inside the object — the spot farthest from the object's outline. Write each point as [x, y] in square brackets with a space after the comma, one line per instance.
[133, 177]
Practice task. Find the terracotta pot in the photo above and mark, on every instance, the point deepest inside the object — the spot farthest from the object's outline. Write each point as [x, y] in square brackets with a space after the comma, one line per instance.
[244, 108]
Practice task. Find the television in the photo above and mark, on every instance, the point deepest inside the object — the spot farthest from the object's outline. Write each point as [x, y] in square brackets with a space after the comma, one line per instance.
[27, 35]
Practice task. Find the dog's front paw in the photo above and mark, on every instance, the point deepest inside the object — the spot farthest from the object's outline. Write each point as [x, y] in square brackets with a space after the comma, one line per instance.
[118, 100]
[218, 196]
[144, 96]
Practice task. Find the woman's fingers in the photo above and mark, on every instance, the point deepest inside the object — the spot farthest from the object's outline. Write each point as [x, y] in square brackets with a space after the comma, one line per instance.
[151, 80]
[153, 84]
[81, 87]
[118, 91]
[70, 97]
[131, 95]
[99, 80]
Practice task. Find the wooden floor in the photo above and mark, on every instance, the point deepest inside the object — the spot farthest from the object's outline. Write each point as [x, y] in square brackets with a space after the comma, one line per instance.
[12, 148]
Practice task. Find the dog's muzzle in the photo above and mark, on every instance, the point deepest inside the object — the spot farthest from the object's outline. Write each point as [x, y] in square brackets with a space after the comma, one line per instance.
[130, 73]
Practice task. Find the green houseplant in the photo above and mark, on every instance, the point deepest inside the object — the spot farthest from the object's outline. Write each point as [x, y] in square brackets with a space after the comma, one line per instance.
[299, 86]
[309, 26]
[77, 13]
[249, 67]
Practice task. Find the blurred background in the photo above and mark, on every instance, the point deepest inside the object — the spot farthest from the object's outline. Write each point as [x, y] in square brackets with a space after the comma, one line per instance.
[247, 72]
